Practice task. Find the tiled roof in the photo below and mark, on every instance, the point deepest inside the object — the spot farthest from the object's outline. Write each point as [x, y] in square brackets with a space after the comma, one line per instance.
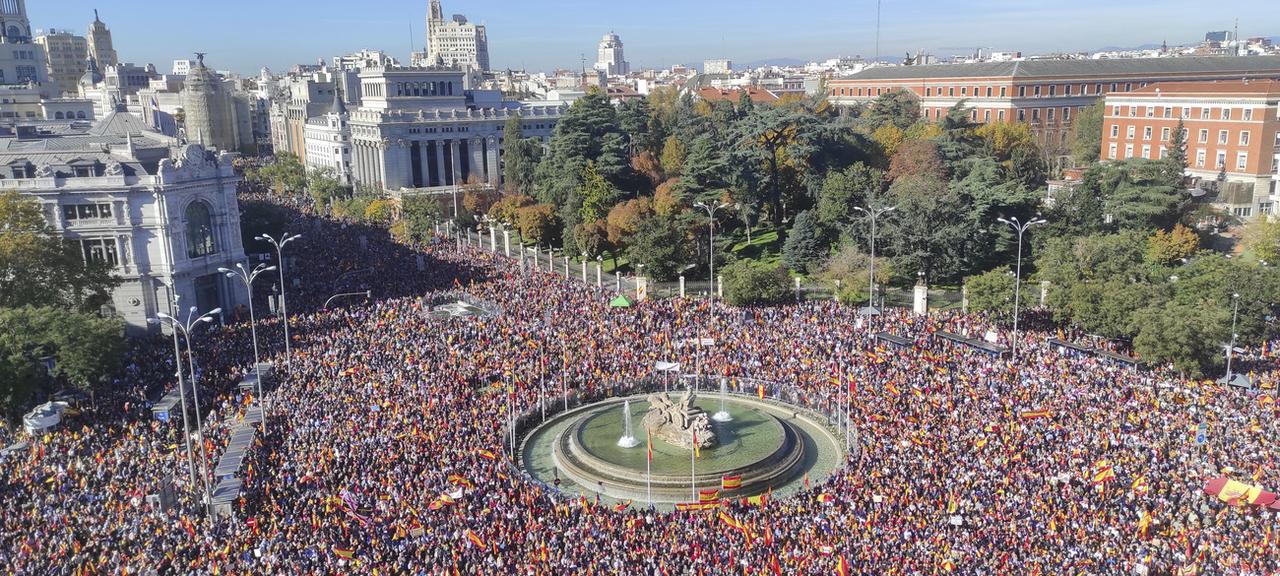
[1069, 68]
[1259, 88]
[757, 95]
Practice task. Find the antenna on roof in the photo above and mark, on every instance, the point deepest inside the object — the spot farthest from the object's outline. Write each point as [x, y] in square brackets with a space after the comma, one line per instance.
[877, 31]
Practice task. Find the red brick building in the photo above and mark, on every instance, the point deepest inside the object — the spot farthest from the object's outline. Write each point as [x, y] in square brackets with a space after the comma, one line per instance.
[1232, 134]
[1045, 93]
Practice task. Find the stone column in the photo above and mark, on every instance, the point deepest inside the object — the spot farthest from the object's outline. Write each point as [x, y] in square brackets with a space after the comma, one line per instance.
[424, 159]
[964, 299]
[493, 239]
[1044, 292]
[494, 163]
[719, 286]
[566, 267]
[477, 158]
[682, 285]
[584, 271]
[506, 242]
[442, 173]
[599, 275]
[456, 168]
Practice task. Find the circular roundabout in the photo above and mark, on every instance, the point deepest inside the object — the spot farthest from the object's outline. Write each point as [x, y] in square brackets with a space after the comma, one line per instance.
[639, 448]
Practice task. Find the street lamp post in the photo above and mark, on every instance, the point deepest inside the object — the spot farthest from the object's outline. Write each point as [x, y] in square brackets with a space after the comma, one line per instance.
[1021, 228]
[873, 214]
[284, 309]
[1231, 347]
[711, 247]
[182, 393]
[248, 277]
[187, 328]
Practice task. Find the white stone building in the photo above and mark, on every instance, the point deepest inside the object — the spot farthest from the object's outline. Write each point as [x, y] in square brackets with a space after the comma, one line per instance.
[717, 66]
[328, 141]
[610, 58]
[164, 216]
[417, 128]
[455, 42]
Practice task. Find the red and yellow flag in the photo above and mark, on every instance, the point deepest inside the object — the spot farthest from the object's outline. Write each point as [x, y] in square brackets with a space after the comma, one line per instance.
[842, 567]
[476, 540]
[730, 482]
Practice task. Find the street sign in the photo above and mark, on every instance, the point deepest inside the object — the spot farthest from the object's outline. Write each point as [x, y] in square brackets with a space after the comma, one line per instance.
[1202, 433]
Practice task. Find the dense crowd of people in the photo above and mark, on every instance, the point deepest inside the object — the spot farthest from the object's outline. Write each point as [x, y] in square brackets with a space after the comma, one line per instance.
[965, 463]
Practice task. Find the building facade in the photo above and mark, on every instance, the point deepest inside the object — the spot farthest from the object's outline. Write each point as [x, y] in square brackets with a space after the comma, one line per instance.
[455, 42]
[101, 49]
[66, 54]
[1047, 94]
[419, 129]
[610, 58]
[1232, 135]
[328, 142]
[22, 61]
[164, 216]
[717, 66]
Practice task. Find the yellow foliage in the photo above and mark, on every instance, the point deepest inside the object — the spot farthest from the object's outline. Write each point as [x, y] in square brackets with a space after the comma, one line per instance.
[1005, 136]
[889, 137]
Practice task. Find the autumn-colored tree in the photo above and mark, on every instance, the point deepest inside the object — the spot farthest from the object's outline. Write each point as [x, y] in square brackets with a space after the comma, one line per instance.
[1004, 137]
[538, 223]
[923, 131]
[1166, 247]
[648, 165]
[625, 217]
[667, 200]
[673, 153]
[916, 158]
[379, 212]
[507, 208]
[888, 137]
[477, 198]
[1262, 238]
[593, 238]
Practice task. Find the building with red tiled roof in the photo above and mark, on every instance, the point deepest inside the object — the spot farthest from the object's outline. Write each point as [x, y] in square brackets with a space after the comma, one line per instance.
[1232, 134]
[757, 95]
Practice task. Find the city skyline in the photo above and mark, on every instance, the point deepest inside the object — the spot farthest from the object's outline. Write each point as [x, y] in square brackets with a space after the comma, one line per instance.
[539, 38]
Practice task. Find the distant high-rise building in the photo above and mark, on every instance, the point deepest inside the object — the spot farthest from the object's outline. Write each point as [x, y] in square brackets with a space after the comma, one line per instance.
[66, 53]
[455, 42]
[717, 66]
[610, 59]
[22, 61]
[100, 46]
[209, 120]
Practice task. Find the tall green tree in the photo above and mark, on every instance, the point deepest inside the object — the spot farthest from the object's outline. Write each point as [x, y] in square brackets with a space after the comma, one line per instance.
[598, 195]
[806, 247]
[844, 189]
[750, 282]
[1175, 159]
[85, 348]
[520, 158]
[899, 108]
[1086, 134]
[635, 118]
[40, 268]
[705, 171]
[659, 244]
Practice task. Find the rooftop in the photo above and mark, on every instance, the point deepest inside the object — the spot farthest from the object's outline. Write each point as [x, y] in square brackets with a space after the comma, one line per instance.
[757, 95]
[1257, 88]
[1070, 68]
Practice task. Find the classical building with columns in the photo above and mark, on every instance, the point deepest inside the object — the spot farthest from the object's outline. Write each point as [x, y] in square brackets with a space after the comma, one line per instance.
[163, 215]
[419, 128]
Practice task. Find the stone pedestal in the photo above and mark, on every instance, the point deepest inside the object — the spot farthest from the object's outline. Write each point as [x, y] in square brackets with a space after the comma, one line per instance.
[506, 242]
[921, 300]
[642, 288]
[682, 286]
[1044, 293]
[720, 286]
[964, 299]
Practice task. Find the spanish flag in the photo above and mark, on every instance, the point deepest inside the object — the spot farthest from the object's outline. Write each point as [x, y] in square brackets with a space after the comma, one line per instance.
[476, 540]
[760, 391]
[825, 498]
[344, 553]
[648, 436]
[487, 455]
[774, 566]
[695, 506]
[1102, 472]
[708, 495]
[1140, 486]
[1034, 414]
[459, 480]
[697, 452]
[842, 567]
[622, 506]
[730, 482]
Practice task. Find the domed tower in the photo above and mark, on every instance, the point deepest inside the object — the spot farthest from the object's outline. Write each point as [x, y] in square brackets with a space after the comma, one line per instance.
[207, 106]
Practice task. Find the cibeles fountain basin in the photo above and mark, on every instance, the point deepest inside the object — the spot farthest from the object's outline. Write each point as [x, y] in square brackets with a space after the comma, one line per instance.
[770, 446]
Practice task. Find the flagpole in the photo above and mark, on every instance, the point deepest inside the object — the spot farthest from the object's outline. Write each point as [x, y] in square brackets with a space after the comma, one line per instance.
[542, 387]
[648, 464]
[693, 489]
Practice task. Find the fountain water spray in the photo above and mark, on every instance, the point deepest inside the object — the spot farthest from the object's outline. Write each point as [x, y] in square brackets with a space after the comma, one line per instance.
[628, 440]
[722, 415]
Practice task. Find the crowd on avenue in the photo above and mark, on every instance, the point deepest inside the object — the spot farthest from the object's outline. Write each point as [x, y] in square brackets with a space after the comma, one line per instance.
[385, 447]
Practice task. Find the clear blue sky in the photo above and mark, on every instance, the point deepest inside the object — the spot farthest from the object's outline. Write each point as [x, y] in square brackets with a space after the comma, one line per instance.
[244, 35]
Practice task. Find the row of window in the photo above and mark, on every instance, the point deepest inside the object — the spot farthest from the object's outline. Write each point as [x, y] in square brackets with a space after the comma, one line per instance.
[424, 88]
[1205, 113]
[1036, 91]
[1050, 114]
[1220, 157]
[1224, 136]
[86, 211]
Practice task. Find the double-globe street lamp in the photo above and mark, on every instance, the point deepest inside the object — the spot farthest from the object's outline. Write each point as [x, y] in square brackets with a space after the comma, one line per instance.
[187, 328]
[284, 310]
[873, 214]
[711, 246]
[248, 277]
[1021, 228]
